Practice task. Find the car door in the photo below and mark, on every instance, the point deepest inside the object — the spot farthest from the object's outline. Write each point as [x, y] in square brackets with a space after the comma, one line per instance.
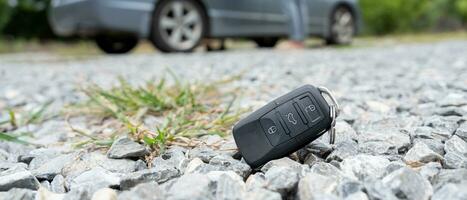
[235, 17]
[318, 13]
[277, 21]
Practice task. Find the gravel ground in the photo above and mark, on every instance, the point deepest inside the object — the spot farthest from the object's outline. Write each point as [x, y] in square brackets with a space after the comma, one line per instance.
[401, 135]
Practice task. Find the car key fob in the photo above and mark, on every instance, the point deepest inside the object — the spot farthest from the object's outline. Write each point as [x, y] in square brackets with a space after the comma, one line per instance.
[285, 125]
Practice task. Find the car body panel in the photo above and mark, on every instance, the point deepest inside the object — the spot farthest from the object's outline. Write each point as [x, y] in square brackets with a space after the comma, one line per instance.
[227, 18]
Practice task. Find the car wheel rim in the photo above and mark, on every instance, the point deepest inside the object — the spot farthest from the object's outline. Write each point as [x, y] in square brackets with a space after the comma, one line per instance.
[180, 25]
[343, 26]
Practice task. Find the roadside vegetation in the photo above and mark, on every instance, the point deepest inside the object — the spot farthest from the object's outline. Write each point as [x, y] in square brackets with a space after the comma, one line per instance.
[182, 111]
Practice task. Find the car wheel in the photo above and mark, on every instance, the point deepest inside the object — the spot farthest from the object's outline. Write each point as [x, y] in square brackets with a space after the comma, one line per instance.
[342, 26]
[178, 25]
[267, 42]
[116, 44]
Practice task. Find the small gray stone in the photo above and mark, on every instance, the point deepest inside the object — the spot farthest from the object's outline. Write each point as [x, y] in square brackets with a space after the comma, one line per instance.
[456, 153]
[453, 99]
[357, 196]
[214, 176]
[38, 157]
[362, 166]
[49, 169]
[389, 139]
[281, 179]
[4, 155]
[434, 144]
[328, 170]
[377, 190]
[58, 184]
[45, 184]
[212, 140]
[17, 178]
[315, 184]
[256, 180]
[140, 165]
[344, 133]
[406, 183]
[393, 166]
[228, 187]
[229, 147]
[261, 194]
[14, 149]
[311, 159]
[143, 191]
[85, 161]
[104, 193]
[95, 179]
[80, 193]
[18, 194]
[282, 162]
[225, 162]
[343, 150]
[443, 127]
[377, 148]
[319, 147]
[203, 152]
[191, 186]
[159, 174]
[446, 176]
[420, 153]
[424, 132]
[462, 131]
[196, 165]
[175, 156]
[430, 170]
[347, 188]
[452, 192]
[126, 148]
[6, 165]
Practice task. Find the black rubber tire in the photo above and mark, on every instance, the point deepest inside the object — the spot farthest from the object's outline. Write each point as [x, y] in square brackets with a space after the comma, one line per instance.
[116, 44]
[156, 38]
[332, 39]
[266, 42]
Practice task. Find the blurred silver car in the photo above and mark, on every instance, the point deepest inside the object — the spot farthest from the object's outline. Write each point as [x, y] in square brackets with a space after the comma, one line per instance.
[180, 25]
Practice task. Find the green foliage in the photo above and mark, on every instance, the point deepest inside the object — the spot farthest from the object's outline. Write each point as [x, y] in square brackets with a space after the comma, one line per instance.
[5, 12]
[389, 16]
[461, 9]
[26, 19]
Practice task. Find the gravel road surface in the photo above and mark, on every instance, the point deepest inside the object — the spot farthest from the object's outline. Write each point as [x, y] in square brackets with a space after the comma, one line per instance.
[402, 133]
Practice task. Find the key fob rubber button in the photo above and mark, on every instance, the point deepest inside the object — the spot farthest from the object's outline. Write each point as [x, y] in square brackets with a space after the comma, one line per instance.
[309, 108]
[273, 129]
[291, 118]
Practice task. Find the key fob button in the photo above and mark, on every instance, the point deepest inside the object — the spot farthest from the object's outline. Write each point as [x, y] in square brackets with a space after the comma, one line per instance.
[291, 118]
[273, 129]
[309, 108]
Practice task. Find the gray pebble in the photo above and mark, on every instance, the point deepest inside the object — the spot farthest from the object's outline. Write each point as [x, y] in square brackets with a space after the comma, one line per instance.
[126, 148]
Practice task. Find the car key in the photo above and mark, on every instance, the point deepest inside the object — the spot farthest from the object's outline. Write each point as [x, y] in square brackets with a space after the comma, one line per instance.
[285, 125]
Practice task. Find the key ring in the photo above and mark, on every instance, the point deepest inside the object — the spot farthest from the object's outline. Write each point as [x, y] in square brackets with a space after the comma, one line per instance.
[334, 112]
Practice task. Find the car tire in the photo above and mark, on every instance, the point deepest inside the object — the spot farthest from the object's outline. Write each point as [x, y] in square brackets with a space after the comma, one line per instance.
[342, 26]
[178, 25]
[266, 42]
[116, 44]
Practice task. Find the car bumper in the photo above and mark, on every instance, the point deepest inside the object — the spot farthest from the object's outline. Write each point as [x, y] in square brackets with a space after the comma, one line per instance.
[91, 17]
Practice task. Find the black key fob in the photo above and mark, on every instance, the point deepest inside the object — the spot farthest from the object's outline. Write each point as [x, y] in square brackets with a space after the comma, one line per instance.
[284, 125]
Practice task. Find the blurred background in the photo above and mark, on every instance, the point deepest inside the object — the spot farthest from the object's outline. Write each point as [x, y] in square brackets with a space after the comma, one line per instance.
[24, 25]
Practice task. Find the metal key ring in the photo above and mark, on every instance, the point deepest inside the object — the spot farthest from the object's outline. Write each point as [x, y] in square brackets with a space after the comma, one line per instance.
[329, 94]
[334, 112]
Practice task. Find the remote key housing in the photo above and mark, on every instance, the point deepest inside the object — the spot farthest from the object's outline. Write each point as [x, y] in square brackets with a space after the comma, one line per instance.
[282, 126]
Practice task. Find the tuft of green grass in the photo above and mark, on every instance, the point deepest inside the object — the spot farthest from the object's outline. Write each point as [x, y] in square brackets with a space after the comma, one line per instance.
[21, 118]
[188, 110]
[12, 138]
